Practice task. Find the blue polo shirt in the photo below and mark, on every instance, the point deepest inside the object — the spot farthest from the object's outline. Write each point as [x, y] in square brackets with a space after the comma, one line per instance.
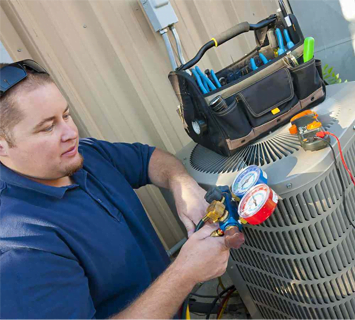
[82, 251]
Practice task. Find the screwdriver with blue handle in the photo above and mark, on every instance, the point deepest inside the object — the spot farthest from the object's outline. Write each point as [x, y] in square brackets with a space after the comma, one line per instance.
[280, 42]
[289, 43]
[263, 58]
[308, 49]
[253, 64]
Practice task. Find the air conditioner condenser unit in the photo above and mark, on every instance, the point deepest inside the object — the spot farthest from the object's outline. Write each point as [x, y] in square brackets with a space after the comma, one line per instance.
[300, 263]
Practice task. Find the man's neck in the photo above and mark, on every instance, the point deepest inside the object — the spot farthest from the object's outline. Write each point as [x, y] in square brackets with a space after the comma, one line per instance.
[62, 182]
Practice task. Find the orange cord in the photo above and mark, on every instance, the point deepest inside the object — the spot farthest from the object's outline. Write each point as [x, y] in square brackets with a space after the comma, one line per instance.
[322, 134]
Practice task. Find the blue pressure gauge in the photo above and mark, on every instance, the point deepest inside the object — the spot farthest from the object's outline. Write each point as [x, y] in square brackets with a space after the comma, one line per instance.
[246, 179]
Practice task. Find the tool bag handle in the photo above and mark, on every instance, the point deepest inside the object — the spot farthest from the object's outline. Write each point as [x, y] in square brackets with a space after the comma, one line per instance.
[224, 37]
[231, 33]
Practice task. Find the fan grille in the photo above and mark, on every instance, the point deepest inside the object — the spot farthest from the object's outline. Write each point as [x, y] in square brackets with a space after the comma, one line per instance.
[263, 152]
[259, 153]
[300, 263]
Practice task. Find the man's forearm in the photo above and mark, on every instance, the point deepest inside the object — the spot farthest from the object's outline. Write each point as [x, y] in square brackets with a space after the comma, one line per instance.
[162, 299]
[166, 171]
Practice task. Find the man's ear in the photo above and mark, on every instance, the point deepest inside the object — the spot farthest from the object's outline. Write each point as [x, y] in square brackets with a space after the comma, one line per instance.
[4, 147]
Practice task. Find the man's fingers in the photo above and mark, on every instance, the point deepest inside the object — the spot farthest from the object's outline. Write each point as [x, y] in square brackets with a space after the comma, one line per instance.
[214, 224]
[190, 232]
[206, 231]
[189, 225]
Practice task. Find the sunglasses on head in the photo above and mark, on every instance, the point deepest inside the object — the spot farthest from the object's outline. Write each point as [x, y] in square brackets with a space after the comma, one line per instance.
[13, 73]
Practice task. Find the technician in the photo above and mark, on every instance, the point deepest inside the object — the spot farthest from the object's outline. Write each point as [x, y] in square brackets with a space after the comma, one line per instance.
[75, 241]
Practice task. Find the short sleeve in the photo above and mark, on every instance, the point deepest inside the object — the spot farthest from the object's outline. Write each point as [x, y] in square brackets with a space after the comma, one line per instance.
[41, 285]
[132, 160]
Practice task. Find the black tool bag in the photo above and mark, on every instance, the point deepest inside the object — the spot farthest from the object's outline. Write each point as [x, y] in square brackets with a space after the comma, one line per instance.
[254, 104]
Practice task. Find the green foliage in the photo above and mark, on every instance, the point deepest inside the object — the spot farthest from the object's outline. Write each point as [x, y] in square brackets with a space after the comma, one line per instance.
[330, 76]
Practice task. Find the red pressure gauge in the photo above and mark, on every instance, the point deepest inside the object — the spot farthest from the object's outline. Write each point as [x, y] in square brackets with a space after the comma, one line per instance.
[258, 204]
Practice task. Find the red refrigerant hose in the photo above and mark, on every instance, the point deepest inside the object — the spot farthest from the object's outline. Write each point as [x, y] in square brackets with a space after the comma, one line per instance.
[322, 134]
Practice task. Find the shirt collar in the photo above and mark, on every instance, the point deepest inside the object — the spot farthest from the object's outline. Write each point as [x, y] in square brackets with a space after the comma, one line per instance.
[13, 178]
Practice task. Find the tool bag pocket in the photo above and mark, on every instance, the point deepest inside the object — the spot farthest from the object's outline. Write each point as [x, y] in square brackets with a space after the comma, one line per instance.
[233, 121]
[307, 79]
[193, 110]
[268, 98]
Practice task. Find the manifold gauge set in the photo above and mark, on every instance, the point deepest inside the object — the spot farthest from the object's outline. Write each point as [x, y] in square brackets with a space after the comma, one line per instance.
[248, 200]
[257, 201]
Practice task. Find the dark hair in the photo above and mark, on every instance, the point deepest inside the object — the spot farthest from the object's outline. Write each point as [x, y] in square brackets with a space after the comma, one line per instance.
[10, 114]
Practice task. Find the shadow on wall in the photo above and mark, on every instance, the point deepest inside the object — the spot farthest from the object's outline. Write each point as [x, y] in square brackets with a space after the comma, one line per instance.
[332, 24]
[4, 55]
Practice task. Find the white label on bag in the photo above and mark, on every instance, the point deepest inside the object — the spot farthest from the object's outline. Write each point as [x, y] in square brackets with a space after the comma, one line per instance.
[288, 21]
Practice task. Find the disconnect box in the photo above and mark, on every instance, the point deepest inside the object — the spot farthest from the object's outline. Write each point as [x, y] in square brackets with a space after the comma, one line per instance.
[159, 12]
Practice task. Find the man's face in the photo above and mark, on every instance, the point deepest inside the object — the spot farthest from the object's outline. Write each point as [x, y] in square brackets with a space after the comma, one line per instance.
[46, 140]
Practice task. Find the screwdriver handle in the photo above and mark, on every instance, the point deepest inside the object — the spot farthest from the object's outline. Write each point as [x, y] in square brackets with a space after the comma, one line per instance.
[280, 41]
[289, 43]
[253, 64]
[263, 58]
[308, 49]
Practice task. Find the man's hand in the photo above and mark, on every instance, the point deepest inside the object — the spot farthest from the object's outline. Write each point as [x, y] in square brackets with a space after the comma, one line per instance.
[203, 257]
[190, 203]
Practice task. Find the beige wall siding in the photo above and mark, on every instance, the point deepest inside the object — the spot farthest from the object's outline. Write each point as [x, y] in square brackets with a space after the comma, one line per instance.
[113, 67]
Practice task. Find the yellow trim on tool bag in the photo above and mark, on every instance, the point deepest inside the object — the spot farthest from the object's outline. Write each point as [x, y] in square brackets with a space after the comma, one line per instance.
[215, 42]
[275, 111]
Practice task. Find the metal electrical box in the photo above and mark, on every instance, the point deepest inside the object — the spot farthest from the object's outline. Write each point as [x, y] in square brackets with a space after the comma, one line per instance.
[160, 13]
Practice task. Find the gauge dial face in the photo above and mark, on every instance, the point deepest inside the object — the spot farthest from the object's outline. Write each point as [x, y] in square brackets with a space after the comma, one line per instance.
[245, 180]
[196, 127]
[254, 200]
